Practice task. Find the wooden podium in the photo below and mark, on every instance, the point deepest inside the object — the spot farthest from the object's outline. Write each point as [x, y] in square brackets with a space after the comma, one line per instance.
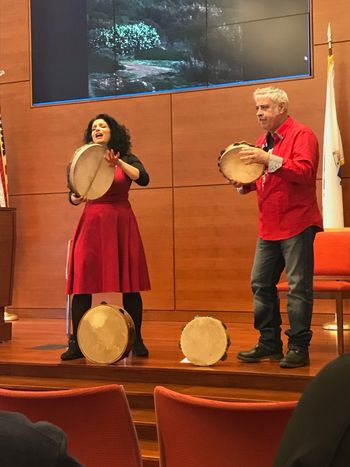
[7, 263]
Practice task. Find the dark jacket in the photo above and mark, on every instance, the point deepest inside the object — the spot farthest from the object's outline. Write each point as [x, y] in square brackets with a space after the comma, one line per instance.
[318, 433]
[27, 444]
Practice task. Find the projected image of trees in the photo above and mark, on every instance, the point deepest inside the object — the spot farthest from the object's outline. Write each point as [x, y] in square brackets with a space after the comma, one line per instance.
[145, 46]
[108, 48]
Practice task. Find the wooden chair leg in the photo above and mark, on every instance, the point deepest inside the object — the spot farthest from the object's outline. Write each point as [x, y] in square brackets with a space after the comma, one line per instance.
[340, 330]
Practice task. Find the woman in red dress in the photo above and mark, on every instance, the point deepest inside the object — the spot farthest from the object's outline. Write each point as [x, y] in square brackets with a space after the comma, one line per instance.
[106, 253]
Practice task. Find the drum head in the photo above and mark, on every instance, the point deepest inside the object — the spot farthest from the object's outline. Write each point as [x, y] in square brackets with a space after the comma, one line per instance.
[105, 334]
[90, 175]
[204, 341]
[233, 168]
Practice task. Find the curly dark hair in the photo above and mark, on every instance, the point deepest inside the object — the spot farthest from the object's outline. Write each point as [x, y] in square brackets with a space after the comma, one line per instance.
[120, 137]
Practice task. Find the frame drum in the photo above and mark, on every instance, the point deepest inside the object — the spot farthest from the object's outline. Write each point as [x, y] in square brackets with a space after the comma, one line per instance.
[106, 334]
[90, 175]
[204, 341]
[233, 168]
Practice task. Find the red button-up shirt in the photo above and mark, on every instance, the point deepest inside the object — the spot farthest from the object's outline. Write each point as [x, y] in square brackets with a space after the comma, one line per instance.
[287, 197]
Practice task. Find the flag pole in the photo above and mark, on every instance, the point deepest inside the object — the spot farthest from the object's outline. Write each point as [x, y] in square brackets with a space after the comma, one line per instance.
[329, 37]
[332, 326]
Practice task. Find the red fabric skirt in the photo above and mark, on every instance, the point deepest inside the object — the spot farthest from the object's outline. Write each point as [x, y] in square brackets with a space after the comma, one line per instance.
[106, 253]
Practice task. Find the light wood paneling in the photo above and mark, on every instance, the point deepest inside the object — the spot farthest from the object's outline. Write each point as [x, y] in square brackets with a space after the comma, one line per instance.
[43, 139]
[199, 234]
[346, 198]
[154, 212]
[208, 121]
[214, 245]
[14, 40]
[44, 226]
[335, 12]
[204, 123]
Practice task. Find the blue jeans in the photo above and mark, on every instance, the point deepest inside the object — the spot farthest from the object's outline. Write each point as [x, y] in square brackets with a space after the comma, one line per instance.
[296, 256]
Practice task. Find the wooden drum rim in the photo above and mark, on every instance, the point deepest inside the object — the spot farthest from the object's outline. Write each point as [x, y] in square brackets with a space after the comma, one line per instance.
[233, 168]
[204, 341]
[89, 174]
[106, 334]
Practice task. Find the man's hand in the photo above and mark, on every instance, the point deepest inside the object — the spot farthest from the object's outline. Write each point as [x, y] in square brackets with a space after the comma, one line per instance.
[236, 184]
[253, 155]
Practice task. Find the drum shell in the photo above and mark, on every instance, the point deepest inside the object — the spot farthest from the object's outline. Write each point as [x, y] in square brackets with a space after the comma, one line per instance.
[106, 334]
[89, 174]
[205, 341]
[233, 168]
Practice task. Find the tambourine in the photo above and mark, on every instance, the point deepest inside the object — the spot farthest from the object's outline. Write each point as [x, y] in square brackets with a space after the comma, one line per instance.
[233, 168]
[89, 173]
[205, 341]
[106, 334]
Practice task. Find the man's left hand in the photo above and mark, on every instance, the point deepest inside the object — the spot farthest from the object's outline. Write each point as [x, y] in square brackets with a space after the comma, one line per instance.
[254, 155]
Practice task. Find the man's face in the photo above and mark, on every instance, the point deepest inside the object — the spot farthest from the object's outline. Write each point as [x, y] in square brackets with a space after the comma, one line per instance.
[270, 115]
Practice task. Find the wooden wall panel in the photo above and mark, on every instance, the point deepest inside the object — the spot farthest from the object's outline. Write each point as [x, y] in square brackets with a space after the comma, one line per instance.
[14, 40]
[205, 122]
[214, 246]
[44, 138]
[335, 12]
[45, 223]
[44, 226]
[199, 234]
[346, 200]
[208, 121]
[154, 212]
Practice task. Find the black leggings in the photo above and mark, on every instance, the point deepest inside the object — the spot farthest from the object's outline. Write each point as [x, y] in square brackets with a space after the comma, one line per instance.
[132, 303]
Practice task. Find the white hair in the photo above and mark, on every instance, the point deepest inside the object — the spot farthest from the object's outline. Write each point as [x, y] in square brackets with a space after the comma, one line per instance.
[277, 95]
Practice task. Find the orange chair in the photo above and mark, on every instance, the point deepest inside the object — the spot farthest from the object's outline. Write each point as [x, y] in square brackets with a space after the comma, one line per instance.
[331, 273]
[97, 421]
[195, 432]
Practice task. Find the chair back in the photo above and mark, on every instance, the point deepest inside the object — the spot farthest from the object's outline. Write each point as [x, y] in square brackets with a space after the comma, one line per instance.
[97, 421]
[196, 432]
[332, 253]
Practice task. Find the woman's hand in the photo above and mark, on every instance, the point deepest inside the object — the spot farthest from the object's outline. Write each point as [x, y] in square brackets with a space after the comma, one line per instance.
[113, 158]
[77, 199]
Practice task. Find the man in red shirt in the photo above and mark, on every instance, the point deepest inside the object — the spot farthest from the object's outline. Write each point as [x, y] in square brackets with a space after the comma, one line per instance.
[289, 218]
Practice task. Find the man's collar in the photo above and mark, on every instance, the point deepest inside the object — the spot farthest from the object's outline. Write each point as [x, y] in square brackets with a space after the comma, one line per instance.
[278, 135]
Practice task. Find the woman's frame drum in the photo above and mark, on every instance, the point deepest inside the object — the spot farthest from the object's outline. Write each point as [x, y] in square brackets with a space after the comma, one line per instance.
[89, 174]
[106, 334]
[205, 341]
[233, 168]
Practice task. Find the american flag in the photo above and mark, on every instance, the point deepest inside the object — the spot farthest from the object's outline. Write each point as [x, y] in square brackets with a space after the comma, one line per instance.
[4, 196]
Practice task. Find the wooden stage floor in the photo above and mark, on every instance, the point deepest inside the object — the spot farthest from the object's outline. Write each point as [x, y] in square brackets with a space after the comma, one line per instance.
[40, 341]
[31, 361]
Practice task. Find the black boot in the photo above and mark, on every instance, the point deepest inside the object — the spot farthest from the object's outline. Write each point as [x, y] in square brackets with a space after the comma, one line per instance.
[132, 303]
[73, 351]
[139, 349]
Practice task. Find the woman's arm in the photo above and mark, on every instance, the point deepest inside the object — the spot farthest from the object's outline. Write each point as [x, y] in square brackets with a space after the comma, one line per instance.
[130, 165]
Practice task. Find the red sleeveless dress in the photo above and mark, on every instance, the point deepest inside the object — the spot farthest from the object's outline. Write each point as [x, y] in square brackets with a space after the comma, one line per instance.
[106, 253]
